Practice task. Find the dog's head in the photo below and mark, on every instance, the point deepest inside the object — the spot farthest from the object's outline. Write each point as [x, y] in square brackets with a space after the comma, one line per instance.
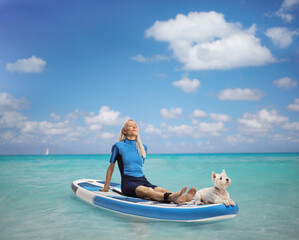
[220, 180]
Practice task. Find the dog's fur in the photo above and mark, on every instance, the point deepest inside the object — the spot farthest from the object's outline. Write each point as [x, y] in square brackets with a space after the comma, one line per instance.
[216, 194]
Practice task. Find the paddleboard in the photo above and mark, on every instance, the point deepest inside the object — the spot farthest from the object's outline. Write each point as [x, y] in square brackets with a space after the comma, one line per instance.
[89, 191]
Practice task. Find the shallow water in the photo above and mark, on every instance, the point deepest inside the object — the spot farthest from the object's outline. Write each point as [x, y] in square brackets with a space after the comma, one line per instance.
[37, 201]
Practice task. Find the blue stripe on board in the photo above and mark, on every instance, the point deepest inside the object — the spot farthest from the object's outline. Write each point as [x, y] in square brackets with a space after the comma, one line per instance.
[89, 186]
[175, 214]
[111, 184]
[129, 199]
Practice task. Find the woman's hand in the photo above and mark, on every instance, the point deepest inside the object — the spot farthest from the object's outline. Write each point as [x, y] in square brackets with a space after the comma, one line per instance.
[104, 189]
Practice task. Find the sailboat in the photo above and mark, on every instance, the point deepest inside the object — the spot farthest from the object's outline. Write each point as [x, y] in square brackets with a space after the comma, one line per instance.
[47, 151]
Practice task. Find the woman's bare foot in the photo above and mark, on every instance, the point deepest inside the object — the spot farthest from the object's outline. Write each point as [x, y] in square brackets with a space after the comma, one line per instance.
[175, 196]
[188, 196]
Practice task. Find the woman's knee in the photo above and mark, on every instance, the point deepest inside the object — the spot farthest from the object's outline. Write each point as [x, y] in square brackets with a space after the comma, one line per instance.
[142, 191]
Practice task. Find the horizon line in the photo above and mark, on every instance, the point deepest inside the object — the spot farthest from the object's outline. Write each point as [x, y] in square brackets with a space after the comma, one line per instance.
[67, 154]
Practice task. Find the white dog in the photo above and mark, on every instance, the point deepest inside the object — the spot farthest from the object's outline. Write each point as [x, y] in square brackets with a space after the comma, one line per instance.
[216, 194]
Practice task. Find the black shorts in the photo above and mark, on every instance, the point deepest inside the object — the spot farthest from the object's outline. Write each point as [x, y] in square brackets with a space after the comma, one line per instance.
[129, 185]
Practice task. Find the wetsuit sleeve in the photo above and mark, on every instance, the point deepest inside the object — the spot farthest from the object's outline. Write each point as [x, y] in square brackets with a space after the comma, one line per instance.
[114, 152]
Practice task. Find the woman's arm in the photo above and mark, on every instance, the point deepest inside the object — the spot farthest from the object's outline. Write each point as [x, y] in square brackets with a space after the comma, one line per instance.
[108, 177]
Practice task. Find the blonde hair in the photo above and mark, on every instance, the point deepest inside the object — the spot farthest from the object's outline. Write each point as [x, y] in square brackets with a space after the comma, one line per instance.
[139, 144]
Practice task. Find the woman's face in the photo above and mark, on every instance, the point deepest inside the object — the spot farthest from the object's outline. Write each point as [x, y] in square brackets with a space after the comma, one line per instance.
[131, 130]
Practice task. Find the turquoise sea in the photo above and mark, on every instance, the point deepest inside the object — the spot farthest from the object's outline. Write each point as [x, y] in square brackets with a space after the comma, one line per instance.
[37, 201]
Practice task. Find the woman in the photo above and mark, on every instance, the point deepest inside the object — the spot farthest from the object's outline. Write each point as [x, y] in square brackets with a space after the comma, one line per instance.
[130, 154]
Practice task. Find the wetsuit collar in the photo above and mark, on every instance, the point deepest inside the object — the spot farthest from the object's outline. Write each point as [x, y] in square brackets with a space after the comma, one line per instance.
[130, 141]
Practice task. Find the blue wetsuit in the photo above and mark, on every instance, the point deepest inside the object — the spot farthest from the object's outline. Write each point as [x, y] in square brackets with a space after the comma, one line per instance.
[130, 166]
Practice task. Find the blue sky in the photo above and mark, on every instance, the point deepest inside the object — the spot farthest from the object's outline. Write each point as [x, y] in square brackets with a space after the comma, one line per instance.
[197, 76]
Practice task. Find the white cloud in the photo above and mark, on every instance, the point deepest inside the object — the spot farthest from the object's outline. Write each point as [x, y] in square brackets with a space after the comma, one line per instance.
[29, 65]
[160, 75]
[9, 107]
[151, 129]
[281, 36]
[76, 133]
[155, 58]
[139, 58]
[197, 113]
[172, 113]
[286, 7]
[284, 138]
[236, 94]
[197, 131]
[279, 137]
[95, 127]
[220, 117]
[205, 40]
[7, 136]
[107, 135]
[294, 126]
[48, 128]
[16, 128]
[211, 128]
[237, 139]
[294, 106]
[60, 128]
[106, 116]
[187, 85]
[163, 124]
[9, 103]
[55, 116]
[75, 114]
[66, 130]
[182, 130]
[195, 121]
[11, 119]
[289, 4]
[261, 123]
[234, 139]
[271, 116]
[285, 83]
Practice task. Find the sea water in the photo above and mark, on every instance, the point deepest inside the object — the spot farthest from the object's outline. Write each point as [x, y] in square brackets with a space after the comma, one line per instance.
[36, 200]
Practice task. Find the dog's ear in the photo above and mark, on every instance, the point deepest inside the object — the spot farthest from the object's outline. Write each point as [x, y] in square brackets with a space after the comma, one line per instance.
[213, 175]
[223, 172]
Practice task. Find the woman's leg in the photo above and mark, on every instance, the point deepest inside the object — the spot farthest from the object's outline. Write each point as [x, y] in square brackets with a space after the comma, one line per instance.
[184, 198]
[161, 190]
[142, 191]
